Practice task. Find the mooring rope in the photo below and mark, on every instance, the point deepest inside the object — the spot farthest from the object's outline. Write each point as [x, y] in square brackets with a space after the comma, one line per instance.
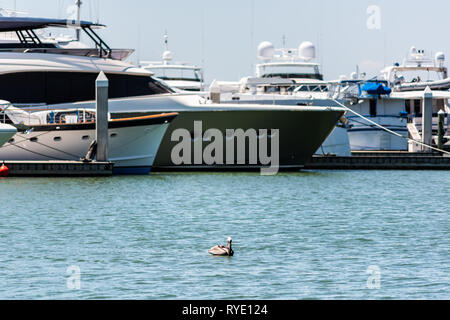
[388, 130]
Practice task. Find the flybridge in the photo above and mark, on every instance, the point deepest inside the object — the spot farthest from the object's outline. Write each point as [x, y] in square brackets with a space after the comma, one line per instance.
[29, 41]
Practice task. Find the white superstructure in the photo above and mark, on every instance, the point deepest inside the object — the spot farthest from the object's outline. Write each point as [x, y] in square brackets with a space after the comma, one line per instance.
[395, 101]
[286, 77]
[179, 75]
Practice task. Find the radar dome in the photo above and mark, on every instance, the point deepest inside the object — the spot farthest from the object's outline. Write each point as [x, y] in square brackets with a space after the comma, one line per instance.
[413, 50]
[167, 56]
[440, 58]
[266, 51]
[307, 51]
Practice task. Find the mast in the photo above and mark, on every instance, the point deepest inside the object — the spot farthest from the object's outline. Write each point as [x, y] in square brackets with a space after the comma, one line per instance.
[78, 3]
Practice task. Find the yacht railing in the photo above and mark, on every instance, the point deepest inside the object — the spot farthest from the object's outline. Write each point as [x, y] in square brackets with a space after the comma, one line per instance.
[44, 115]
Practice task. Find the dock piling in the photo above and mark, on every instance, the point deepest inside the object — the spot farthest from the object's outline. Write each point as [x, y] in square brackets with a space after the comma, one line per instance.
[101, 88]
[427, 119]
[441, 131]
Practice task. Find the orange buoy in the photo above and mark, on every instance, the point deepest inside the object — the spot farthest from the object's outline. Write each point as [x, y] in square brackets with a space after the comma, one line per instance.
[4, 171]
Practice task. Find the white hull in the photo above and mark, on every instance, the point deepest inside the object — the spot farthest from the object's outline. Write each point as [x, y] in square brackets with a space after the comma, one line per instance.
[129, 147]
[366, 137]
[338, 143]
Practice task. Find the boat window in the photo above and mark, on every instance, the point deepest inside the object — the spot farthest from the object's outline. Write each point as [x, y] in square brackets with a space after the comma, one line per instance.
[272, 89]
[66, 87]
[291, 72]
[176, 74]
[34, 139]
[85, 138]
[303, 89]
[57, 139]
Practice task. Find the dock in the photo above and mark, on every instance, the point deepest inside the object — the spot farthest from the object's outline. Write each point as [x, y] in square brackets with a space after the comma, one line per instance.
[59, 168]
[381, 161]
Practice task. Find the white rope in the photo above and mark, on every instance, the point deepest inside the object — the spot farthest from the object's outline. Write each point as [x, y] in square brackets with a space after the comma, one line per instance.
[387, 130]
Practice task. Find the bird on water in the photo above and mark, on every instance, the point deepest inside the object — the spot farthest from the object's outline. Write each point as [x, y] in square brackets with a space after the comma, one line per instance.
[222, 250]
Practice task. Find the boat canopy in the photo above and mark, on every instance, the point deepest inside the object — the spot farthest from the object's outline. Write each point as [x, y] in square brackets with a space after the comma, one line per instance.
[10, 24]
[376, 88]
[24, 28]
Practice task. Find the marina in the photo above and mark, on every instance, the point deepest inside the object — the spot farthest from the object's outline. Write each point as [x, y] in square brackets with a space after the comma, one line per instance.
[260, 154]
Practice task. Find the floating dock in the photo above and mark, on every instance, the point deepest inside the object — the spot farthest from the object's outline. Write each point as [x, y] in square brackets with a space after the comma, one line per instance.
[381, 161]
[59, 168]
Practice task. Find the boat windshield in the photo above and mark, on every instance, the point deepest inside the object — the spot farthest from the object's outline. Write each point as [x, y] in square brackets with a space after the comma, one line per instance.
[416, 76]
[290, 72]
[177, 74]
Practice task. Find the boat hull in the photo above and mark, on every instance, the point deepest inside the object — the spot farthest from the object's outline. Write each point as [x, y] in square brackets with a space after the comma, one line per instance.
[302, 129]
[337, 142]
[366, 137]
[300, 134]
[132, 148]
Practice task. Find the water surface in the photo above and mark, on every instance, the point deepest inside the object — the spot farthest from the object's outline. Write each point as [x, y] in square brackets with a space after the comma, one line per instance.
[309, 235]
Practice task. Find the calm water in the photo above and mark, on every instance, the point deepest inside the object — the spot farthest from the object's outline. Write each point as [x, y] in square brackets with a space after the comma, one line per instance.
[296, 236]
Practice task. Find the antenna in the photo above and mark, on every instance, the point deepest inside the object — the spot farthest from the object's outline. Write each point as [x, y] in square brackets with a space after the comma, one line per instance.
[167, 55]
[252, 33]
[78, 3]
[284, 41]
[166, 41]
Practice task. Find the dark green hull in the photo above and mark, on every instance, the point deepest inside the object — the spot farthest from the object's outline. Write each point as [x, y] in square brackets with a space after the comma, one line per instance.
[301, 134]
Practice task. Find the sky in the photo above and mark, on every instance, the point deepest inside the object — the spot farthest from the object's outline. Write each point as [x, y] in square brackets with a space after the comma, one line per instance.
[222, 36]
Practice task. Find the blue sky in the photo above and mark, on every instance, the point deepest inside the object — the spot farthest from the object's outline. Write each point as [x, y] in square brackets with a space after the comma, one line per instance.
[223, 35]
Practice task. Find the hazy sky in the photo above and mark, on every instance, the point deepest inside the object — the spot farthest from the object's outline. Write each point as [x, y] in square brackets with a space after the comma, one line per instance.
[223, 35]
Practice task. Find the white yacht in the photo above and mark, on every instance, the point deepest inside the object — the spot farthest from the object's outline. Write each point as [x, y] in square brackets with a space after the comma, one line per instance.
[286, 77]
[68, 134]
[179, 75]
[34, 73]
[394, 100]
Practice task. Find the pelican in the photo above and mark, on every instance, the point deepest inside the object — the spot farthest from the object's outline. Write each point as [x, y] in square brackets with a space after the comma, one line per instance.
[222, 250]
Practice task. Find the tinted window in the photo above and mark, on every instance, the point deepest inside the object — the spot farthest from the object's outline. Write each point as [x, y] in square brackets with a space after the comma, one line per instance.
[63, 87]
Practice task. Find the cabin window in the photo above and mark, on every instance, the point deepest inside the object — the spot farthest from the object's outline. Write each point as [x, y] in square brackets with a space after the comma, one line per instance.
[57, 139]
[113, 135]
[85, 138]
[66, 87]
[373, 107]
[34, 139]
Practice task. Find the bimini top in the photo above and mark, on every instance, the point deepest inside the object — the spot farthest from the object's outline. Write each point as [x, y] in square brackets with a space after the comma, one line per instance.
[9, 24]
[28, 41]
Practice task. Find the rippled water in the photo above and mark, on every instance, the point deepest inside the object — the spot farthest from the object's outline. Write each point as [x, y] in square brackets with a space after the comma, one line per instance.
[296, 236]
